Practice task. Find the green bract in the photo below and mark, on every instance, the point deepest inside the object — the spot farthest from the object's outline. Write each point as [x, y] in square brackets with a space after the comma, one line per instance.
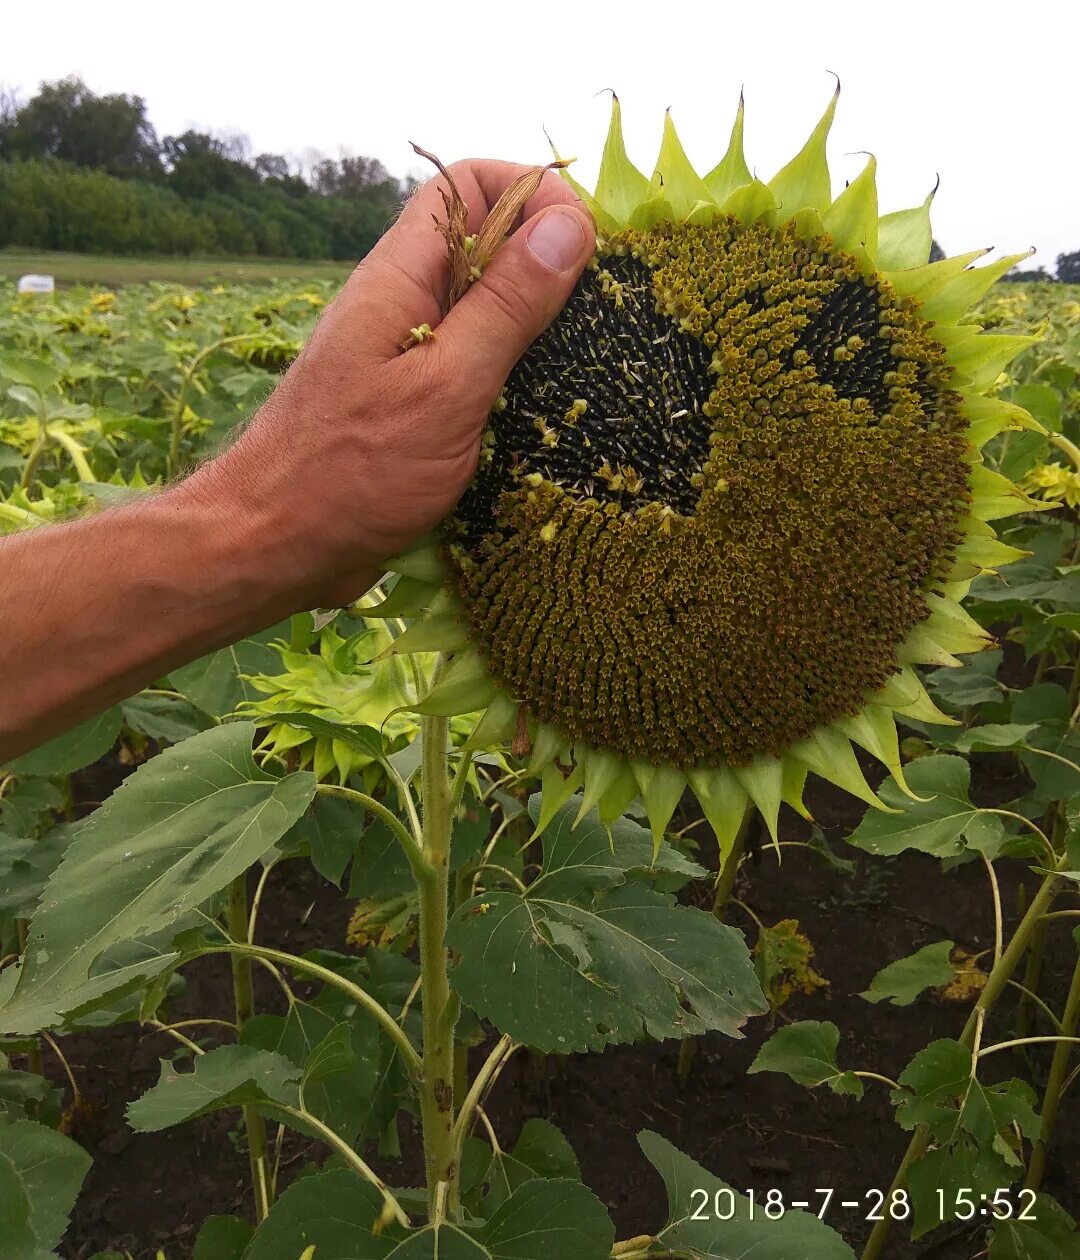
[729, 499]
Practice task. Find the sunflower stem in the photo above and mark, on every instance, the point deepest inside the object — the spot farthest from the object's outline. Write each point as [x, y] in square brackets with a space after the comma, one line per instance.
[439, 1009]
[236, 918]
[1055, 1083]
[725, 882]
[995, 985]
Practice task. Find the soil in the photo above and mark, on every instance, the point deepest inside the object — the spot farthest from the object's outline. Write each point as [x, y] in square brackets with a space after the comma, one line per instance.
[151, 1191]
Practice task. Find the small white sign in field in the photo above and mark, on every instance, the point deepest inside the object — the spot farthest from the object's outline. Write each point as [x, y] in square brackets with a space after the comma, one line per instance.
[37, 284]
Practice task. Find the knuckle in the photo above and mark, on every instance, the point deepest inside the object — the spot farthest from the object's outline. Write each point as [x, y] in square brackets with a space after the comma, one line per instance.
[503, 293]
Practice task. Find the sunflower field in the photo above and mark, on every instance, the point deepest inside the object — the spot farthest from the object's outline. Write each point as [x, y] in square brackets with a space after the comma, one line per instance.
[678, 857]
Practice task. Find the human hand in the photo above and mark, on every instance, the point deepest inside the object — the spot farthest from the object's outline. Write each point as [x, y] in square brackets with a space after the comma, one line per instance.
[361, 449]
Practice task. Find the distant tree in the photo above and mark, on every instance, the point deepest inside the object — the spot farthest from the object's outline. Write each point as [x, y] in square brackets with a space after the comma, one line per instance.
[199, 165]
[66, 120]
[271, 166]
[1068, 267]
[936, 252]
[351, 176]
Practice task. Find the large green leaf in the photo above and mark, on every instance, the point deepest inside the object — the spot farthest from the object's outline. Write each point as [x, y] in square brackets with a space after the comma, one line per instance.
[590, 956]
[216, 683]
[944, 825]
[340, 1061]
[178, 830]
[903, 980]
[1045, 1232]
[228, 1076]
[74, 749]
[697, 1200]
[806, 1051]
[336, 1213]
[166, 719]
[40, 1175]
[941, 1175]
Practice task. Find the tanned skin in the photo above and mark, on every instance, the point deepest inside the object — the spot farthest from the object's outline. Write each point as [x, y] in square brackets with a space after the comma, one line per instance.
[360, 450]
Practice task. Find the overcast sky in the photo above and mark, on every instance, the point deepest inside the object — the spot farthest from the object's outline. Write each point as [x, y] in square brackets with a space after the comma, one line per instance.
[986, 94]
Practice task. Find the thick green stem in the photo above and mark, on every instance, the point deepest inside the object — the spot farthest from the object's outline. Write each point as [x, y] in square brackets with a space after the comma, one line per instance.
[236, 918]
[992, 990]
[1055, 1083]
[439, 1012]
[725, 882]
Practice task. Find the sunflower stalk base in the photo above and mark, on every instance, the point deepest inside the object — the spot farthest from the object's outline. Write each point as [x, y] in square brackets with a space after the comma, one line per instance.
[994, 987]
[440, 1010]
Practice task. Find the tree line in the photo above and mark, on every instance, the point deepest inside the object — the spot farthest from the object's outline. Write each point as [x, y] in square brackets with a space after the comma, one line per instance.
[87, 172]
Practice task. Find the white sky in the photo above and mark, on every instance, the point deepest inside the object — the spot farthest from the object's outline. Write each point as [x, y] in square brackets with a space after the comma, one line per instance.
[984, 93]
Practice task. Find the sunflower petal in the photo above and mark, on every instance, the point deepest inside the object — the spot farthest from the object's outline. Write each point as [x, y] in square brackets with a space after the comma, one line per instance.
[804, 181]
[465, 687]
[409, 598]
[905, 694]
[422, 562]
[437, 632]
[991, 416]
[963, 291]
[602, 770]
[905, 237]
[852, 219]
[875, 730]
[751, 203]
[497, 724]
[620, 186]
[731, 171]
[829, 755]
[556, 789]
[762, 780]
[549, 744]
[922, 648]
[793, 784]
[724, 802]
[617, 798]
[921, 282]
[661, 790]
[682, 185]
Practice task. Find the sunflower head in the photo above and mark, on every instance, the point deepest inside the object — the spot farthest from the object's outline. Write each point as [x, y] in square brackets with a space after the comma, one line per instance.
[730, 498]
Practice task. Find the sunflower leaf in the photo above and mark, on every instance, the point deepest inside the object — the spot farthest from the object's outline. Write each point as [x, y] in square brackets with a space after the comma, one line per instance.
[589, 956]
[944, 824]
[40, 1175]
[806, 1051]
[725, 1225]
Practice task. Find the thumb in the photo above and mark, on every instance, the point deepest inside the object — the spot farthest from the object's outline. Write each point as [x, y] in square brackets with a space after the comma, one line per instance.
[521, 291]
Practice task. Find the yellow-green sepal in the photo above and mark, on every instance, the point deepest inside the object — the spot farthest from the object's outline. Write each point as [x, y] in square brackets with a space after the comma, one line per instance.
[437, 632]
[921, 282]
[905, 694]
[852, 219]
[921, 648]
[675, 176]
[409, 598]
[661, 790]
[955, 629]
[982, 548]
[555, 790]
[792, 786]
[464, 687]
[905, 237]
[602, 771]
[549, 744]
[751, 203]
[731, 171]
[875, 730]
[422, 562]
[983, 356]
[617, 798]
[990, 416]
[994, 496]
[620, 186]
[804, 183]
[763, 782]
[828, 754]
[964, 290]
[724, 802]
[655, 209]
[497, 724]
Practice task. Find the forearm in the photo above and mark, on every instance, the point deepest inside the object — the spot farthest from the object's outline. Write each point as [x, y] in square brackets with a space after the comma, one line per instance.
[94, 610]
